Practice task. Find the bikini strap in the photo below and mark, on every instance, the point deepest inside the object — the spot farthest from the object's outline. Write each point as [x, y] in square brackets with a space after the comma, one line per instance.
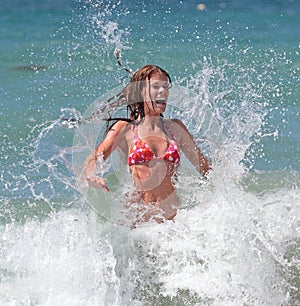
[170, 131]
[135, 132]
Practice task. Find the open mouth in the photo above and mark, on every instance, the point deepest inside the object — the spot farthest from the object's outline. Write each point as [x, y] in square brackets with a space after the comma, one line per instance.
[161, 101]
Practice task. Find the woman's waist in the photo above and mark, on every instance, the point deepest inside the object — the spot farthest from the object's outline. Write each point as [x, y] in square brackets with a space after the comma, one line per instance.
[156, 184]
[157, 195]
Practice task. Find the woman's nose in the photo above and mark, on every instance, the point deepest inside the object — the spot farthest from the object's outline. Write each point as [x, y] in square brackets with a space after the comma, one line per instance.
[161, 89]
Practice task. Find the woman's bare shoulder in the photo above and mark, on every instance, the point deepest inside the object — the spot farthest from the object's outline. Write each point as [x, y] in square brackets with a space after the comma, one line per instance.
[177, 124]
[122, 130]
[119, 126]
[118, 129]
[116, 136]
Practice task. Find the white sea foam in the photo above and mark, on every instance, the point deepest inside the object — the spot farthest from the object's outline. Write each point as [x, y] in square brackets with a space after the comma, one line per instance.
[234, 252]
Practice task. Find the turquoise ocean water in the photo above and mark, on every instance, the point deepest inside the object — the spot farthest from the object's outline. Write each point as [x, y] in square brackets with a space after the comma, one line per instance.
[236, 69]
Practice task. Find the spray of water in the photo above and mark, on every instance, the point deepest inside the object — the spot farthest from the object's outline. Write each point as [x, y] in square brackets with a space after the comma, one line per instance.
[228, 253]
[231, 243]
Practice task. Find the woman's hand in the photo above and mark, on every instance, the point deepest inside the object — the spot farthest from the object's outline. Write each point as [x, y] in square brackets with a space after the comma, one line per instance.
[97, 182]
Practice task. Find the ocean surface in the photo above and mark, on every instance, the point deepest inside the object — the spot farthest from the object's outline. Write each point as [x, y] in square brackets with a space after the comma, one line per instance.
[235, 67]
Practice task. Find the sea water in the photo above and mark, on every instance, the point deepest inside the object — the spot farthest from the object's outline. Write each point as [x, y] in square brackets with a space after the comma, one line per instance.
[235, 72]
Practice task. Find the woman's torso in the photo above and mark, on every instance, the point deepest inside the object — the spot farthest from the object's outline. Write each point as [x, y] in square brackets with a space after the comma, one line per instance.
[153, 158]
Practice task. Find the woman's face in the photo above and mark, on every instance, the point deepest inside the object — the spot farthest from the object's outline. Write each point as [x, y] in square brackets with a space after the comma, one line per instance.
[155, 94]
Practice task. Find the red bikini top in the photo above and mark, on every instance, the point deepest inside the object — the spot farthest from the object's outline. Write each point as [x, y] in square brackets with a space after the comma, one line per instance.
[140, 152]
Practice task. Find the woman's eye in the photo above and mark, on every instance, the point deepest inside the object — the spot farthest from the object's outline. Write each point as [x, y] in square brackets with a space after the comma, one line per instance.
[157, 87]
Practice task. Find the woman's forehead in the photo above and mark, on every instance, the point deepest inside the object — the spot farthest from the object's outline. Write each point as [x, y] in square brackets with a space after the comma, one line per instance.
[159, 76]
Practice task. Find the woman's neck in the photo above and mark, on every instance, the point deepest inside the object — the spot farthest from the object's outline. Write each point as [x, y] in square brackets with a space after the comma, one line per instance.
[152, 122]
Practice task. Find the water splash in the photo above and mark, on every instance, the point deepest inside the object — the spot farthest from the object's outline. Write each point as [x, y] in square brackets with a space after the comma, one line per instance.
[242, 248]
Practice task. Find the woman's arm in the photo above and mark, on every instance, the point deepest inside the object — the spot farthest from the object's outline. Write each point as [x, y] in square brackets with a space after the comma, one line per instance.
[113, 139]
[190, 148]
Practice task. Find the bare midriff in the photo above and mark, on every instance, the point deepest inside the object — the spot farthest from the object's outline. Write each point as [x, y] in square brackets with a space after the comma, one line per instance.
[155, 189]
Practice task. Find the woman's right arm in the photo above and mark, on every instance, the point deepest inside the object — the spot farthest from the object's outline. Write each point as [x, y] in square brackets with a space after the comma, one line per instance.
[112, 140]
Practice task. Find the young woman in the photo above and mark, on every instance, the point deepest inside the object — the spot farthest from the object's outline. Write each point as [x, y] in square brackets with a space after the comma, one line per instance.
[152, 146]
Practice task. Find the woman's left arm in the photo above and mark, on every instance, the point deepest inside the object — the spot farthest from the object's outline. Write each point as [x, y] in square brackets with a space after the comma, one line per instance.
[189, 147]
